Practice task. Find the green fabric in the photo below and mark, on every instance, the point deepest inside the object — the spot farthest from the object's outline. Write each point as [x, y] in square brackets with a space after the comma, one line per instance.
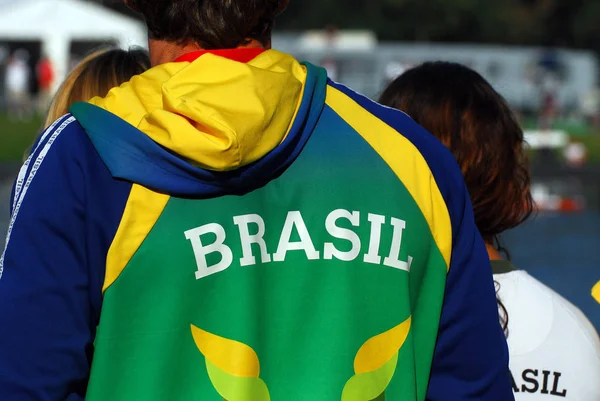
[306, 320]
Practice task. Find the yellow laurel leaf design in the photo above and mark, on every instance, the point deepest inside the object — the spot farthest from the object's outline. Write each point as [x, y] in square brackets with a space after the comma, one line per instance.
[233, 357]
[233, 388]
[377, 351]
[368, 386]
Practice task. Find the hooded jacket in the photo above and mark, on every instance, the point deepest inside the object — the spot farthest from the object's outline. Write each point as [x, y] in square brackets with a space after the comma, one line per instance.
[233, 225]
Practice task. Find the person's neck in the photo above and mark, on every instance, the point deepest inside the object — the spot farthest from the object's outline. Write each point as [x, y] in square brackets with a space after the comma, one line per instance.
[162, 51]
[493, 252]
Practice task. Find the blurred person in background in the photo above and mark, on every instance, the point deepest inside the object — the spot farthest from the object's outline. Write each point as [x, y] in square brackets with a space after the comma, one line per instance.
[590, 106]
[554, 349]
[575, 154]
[94, 76]
[230, 224]
[330, 62]
[45, 79]
[17, 80]
[548, 110]
[4, 59]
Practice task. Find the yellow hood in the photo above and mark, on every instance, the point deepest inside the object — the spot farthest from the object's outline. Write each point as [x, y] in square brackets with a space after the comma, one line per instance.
[216, 113]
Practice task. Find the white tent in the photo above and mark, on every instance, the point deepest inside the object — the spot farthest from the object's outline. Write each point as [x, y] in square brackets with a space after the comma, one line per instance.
[56, 23]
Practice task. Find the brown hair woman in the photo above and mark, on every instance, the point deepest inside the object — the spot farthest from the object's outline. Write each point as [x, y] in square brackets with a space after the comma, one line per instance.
[554, 349]
[95, 76]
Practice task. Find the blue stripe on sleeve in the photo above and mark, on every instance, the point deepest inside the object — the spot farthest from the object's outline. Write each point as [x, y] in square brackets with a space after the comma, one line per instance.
[41, 140]
[67, 211]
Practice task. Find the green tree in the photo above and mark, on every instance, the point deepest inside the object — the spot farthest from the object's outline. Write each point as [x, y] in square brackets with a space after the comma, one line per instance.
[568, 23]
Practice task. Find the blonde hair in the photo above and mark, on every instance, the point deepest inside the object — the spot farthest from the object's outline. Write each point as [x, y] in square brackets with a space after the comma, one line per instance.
[95, 76]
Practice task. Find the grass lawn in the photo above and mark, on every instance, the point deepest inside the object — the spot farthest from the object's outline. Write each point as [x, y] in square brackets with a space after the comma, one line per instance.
[592, 143]
[16, 137]
[574, 128]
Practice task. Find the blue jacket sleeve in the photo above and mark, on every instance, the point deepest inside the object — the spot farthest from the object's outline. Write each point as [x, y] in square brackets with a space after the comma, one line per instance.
[52, 268]
[471, 355]
[470, 360]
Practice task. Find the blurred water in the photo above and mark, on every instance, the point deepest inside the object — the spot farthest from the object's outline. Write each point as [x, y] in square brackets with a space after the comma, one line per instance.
[562, 250]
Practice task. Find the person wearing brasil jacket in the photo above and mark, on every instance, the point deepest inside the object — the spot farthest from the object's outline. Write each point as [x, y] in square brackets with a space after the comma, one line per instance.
[232, 225]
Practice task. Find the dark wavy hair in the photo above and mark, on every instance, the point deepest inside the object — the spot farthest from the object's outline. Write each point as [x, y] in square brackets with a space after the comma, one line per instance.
[212, 24]
[461, 108]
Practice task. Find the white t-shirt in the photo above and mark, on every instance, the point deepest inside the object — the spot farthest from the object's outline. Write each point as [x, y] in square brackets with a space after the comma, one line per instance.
[575, 153]
[554, 349]
[17, 77]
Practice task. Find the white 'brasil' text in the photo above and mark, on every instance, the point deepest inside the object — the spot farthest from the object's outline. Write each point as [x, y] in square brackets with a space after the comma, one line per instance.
[305, 244]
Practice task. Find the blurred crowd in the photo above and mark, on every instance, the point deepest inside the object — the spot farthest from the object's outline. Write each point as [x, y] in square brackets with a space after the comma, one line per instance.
[27, 86]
